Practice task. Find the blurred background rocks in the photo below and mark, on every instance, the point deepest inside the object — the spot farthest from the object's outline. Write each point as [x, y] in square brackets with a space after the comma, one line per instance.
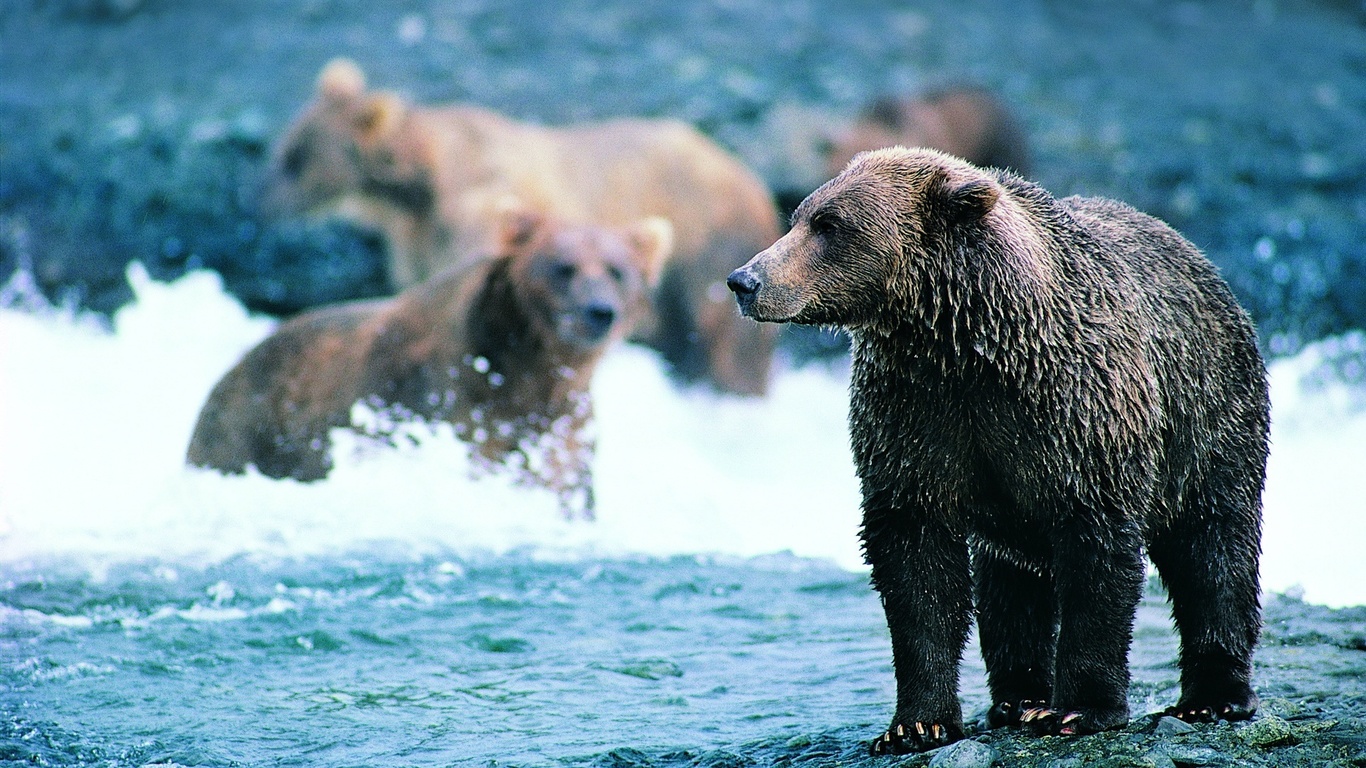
[137, 129]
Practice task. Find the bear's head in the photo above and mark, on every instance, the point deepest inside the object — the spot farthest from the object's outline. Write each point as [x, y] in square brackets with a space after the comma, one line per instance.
[864, 246]
[582, 286]
[350, 151]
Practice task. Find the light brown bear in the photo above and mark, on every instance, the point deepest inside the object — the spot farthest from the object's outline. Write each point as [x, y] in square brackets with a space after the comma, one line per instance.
[503, 349]
[962, 120]
[429, 178]
[1042, 391]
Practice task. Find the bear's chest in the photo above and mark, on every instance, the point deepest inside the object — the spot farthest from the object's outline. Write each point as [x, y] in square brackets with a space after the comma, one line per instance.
[968, 443]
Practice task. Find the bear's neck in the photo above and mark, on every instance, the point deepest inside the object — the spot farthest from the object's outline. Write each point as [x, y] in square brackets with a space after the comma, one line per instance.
[995, 313]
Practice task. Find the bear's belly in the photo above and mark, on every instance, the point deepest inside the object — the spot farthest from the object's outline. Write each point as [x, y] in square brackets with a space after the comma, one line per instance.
[1027, 555]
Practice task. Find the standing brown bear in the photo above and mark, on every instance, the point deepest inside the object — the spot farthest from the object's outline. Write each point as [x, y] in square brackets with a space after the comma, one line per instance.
[1041, 389]
[504, 350]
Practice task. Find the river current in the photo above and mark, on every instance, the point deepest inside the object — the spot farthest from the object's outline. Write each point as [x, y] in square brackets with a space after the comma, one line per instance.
[401, 613]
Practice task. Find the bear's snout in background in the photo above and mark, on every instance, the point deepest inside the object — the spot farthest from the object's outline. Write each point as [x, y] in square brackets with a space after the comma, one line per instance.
[585, 284]
[597, 319]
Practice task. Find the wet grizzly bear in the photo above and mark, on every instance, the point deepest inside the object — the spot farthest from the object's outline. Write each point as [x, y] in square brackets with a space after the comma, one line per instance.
[963, 120]
[503, 349]
[1041, 390]
[428, 178]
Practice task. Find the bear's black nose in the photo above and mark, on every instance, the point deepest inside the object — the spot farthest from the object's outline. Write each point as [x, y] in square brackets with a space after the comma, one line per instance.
[742, 283]
[598, 318]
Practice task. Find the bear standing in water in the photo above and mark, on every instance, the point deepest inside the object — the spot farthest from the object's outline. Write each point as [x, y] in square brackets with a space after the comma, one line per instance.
[504, 350]
[1041, 390]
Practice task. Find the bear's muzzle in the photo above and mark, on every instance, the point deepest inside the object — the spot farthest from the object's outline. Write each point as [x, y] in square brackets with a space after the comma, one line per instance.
[745, 285]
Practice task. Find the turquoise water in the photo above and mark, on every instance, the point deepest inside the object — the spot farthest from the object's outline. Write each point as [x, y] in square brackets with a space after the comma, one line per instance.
[376, 658]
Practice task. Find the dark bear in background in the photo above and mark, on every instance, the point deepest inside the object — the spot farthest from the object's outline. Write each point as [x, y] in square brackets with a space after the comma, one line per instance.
[1040, 389]
[504, 350]
[963, 120]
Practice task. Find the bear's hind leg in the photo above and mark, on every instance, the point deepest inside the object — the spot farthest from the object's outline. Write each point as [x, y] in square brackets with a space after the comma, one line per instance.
[1098, 568]
[1017, 626]
[1208, 561]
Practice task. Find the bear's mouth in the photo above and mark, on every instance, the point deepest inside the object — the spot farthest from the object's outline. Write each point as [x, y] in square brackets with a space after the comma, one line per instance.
[589, 326]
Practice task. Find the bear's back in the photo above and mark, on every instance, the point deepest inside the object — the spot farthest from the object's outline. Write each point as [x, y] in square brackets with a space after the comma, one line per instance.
[1199, 344]
[647, 167]
[1175, 277]
[611, 172]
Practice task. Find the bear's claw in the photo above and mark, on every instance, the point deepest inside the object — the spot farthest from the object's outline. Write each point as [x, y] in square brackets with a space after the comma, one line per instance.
[1007, 713]
[917, 737]
[1052, 722]
[1196, 714]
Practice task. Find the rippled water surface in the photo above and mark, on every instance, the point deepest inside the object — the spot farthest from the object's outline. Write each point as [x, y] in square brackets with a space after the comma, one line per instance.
[378, 658]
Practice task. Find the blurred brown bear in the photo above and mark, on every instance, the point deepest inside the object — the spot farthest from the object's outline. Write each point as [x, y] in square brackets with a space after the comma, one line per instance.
[429, 178]
[503, 349]
[962, 120]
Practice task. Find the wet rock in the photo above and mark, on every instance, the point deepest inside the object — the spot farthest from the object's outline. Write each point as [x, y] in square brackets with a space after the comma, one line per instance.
[1268, 731]
[1159, 759]
[625, 757]
[965, 754]
[1128, 761]
[1184, 755]
[721, 758]
[1282, 708]
[1172, 726]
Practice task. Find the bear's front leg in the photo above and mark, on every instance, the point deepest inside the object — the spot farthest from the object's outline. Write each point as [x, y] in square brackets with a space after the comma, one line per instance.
[1098, 568]
[921, 571]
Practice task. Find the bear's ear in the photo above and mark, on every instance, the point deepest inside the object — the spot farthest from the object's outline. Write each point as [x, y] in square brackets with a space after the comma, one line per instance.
[518, 226]
[970, 200]
[378, 117]
[653, 240]
[341, 80]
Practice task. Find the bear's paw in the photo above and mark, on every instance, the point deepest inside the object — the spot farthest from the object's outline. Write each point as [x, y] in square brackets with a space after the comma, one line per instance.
[1194, 713]
[1008, 713]
[903, 739]
[1045, 721]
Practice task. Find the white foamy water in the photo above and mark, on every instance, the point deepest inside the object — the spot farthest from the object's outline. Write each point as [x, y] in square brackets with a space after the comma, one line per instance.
[93, 427]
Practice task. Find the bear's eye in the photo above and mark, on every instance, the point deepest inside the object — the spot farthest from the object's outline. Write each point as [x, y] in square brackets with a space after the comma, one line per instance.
[562, 272]
[823, 223]
[614, 272]
[293, 163]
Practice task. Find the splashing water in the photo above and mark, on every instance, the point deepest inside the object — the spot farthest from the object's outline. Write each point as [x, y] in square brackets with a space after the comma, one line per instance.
[402, 611]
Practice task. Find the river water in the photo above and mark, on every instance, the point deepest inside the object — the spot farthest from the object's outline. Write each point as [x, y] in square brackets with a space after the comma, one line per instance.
[401, 613]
